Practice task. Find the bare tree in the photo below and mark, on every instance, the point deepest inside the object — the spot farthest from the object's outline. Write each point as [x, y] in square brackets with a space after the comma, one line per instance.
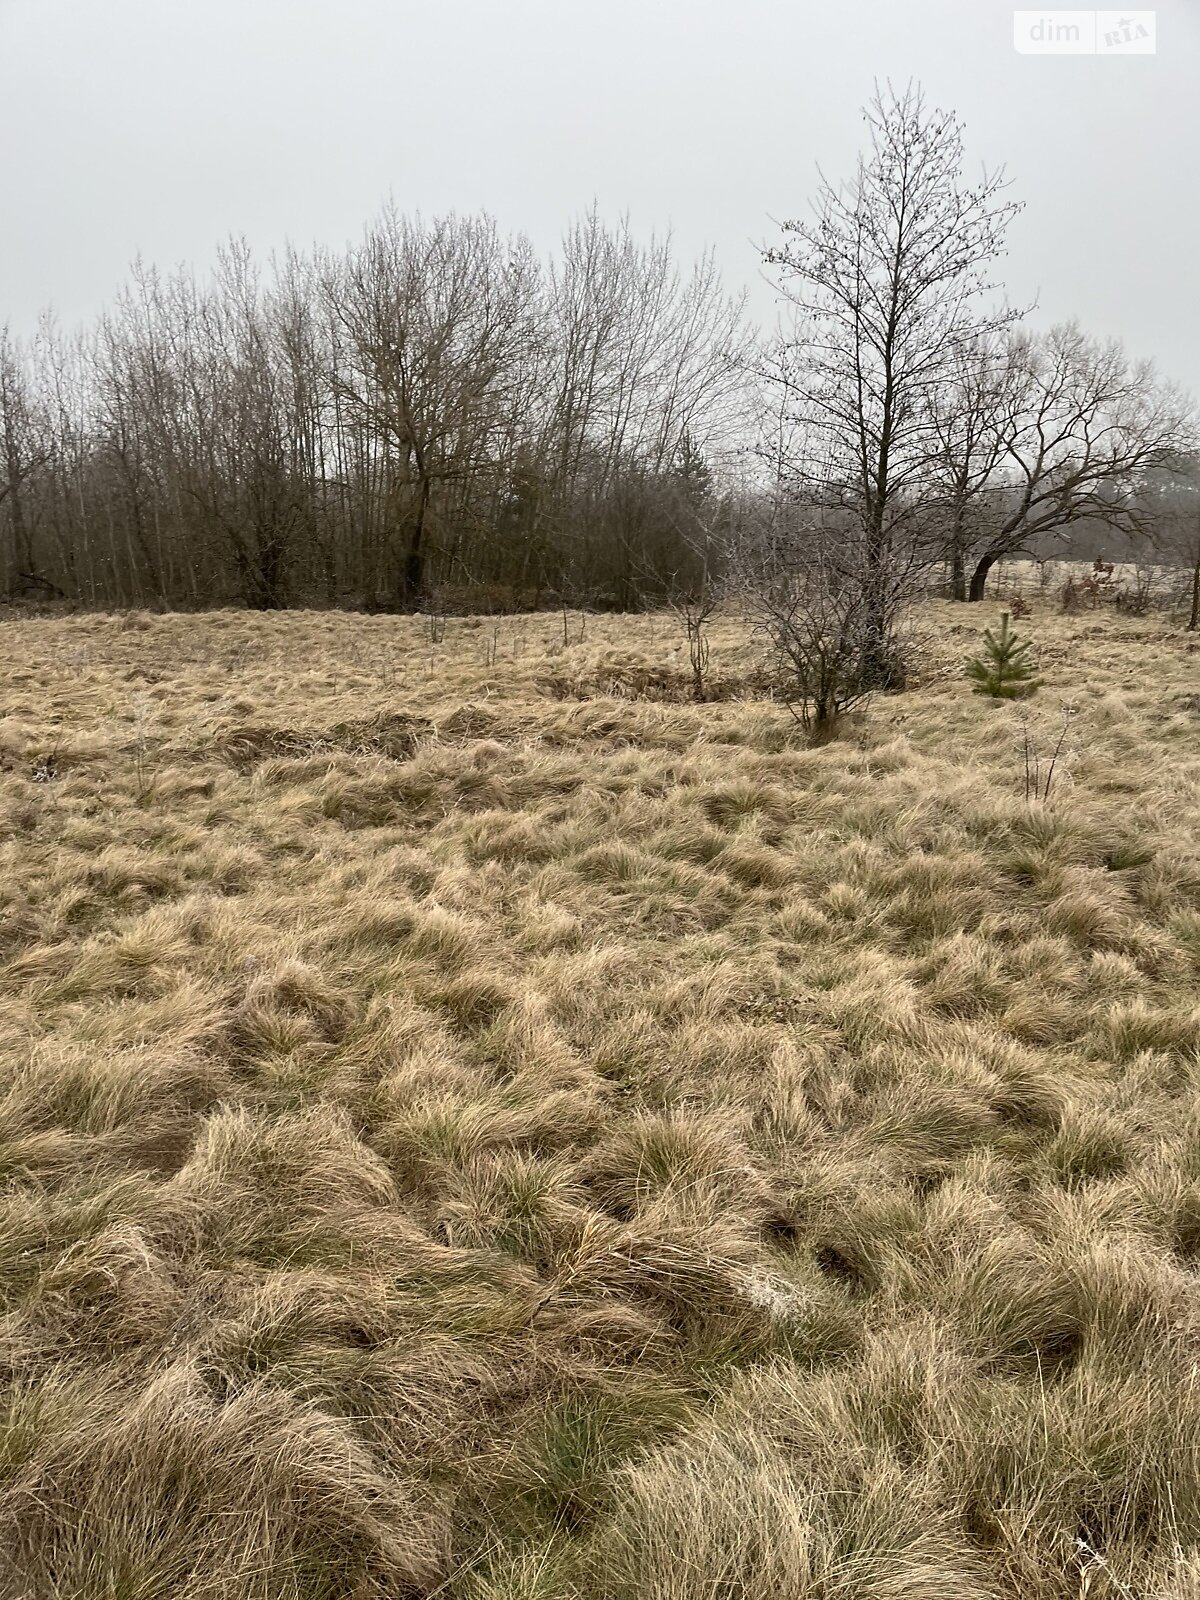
[1171, 501]
[435, 319]
[972, 418]
[25, 446]
[886, 281]
[1069, 429]
[645, 367]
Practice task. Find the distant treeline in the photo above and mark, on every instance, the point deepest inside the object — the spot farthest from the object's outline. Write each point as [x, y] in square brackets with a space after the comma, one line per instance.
[438, 417]
[435, 409]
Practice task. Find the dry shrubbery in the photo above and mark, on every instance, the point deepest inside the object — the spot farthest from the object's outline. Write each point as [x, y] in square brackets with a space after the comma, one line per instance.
[463, 1137]
[623, 675]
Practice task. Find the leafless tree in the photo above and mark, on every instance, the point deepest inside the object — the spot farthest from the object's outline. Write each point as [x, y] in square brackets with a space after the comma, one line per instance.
[1171, 502]
[436, 320]
[887, 282]
[972, 418]
[1052, 432]
[25, 447]
[646, 372]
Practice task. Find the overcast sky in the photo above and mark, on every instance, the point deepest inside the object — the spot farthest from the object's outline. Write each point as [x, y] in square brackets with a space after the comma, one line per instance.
[160, 126]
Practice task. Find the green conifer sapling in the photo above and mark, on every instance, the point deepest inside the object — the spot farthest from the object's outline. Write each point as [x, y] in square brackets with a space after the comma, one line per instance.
[1002, 668]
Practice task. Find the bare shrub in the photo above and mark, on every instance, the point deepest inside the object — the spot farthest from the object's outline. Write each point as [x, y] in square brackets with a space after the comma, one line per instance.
[819, 609]
[695, 612]
[1138, 594]
[621, 677]
[1040, 768]
[435, 619]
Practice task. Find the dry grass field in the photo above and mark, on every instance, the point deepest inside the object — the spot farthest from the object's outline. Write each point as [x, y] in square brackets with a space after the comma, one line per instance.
[476, 1124]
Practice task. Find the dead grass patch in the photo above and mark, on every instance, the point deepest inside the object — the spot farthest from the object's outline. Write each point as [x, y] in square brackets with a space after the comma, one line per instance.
[524, 1133]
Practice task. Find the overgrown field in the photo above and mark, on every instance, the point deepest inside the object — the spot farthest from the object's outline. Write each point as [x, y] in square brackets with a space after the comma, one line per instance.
[478, 1124]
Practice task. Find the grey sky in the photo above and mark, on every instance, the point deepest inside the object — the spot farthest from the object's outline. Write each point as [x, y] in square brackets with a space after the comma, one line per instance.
[160, 126]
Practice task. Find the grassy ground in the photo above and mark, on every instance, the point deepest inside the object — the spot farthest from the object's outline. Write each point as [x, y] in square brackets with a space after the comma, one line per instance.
[473, 1126]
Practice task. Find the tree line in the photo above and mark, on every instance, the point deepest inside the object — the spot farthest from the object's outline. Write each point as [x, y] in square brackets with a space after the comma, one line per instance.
[436, 415]
[433, 407]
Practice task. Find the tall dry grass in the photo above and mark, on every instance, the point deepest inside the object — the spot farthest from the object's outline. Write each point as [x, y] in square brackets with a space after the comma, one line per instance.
[476, 1123]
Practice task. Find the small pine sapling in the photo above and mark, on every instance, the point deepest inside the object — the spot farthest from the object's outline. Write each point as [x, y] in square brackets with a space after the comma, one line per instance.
[1003, 669]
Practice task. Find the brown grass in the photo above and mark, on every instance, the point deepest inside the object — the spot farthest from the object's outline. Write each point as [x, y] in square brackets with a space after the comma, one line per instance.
[475, 1123]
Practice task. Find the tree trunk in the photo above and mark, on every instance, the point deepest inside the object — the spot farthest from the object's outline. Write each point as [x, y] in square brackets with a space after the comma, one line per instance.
[958, 574]
[979, 577]
[412, 573]
[22, 544]
[877, 664]
[412, 580]
[268, 595]
[1194, 620]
